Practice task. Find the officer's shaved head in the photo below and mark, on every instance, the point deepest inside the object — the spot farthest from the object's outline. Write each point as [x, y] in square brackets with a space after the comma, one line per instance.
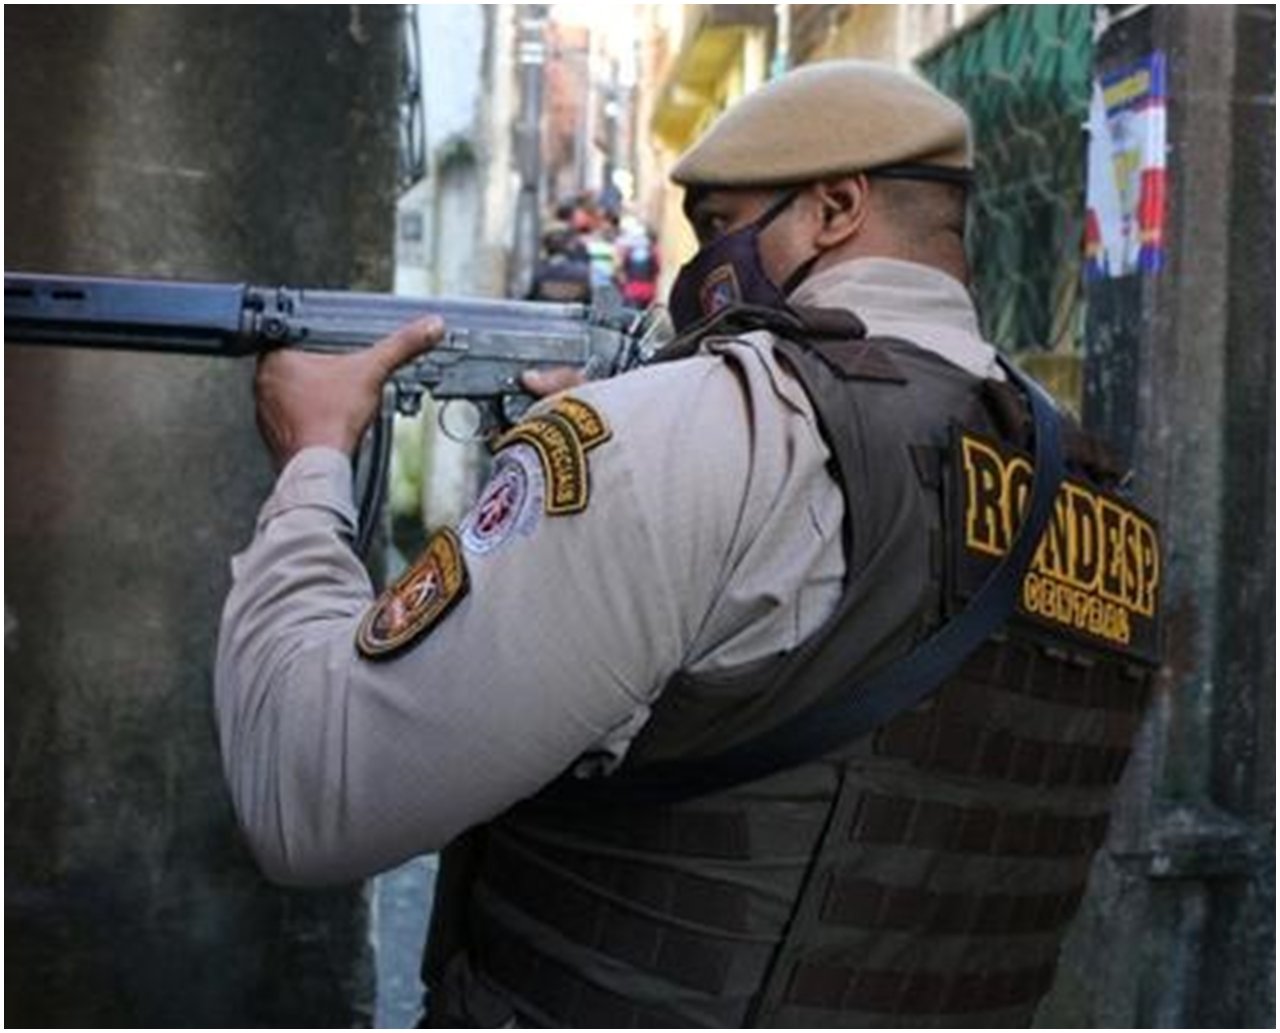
[928, 215]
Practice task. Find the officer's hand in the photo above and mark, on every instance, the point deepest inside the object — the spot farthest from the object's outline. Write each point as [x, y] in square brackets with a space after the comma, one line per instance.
[543, 382]
[307, 399]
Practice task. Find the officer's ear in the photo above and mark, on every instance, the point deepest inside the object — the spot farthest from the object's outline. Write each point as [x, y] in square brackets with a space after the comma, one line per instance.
[843, 203]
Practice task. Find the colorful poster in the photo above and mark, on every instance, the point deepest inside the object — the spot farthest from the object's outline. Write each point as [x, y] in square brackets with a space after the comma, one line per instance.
[1124, 223]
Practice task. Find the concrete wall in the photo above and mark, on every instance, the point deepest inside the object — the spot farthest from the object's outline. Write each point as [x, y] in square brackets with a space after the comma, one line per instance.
[499, 110]
[249, 143]
[467, 201]
[464, 211]
[1179, 926]
[452, 38]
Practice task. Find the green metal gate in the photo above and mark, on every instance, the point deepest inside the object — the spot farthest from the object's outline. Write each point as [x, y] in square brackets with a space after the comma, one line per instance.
[1023, 73]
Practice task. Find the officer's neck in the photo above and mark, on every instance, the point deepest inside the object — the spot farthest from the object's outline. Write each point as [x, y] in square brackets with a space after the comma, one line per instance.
[878, 238]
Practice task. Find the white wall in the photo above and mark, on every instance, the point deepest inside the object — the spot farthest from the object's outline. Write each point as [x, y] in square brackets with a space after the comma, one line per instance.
[456, 226]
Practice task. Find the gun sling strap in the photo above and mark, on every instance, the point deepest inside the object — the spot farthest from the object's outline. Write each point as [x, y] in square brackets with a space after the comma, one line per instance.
[896, 687]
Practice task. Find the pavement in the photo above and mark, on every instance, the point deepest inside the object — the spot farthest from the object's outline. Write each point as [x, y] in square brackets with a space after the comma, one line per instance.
[402, 908]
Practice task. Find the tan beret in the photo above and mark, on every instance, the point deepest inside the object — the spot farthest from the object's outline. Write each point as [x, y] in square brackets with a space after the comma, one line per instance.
[828, 119]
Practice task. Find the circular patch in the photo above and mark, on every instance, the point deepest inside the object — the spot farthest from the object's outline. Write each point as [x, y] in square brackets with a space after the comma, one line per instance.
[511, 502]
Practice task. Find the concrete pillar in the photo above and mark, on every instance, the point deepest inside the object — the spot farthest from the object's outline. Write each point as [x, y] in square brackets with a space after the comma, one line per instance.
[1178, 929]
[248, 143]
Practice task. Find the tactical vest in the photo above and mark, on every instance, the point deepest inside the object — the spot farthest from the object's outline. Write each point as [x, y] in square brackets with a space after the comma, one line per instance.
[921, 876]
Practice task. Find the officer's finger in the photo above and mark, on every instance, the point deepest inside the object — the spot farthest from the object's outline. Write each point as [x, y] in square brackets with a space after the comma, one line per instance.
[407, 343]
[543, 382]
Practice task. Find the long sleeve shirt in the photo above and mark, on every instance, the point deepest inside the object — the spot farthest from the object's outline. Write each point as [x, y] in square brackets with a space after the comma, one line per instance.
[711, 537]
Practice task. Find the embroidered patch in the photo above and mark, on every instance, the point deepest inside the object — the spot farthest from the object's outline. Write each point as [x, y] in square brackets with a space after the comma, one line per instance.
[510, 504]
[417, 601]
[1096, 573]
[719, 290]
[563, 458]
[591, 427]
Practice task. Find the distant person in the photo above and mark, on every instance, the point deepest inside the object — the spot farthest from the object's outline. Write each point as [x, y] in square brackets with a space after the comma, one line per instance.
[638, 268]
[601, 245]
[603, 261]
[564, 271]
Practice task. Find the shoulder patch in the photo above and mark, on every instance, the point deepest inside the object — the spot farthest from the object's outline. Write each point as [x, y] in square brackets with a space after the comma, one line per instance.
[563, 458]
[510, 504]
[417, 601]
[591, 428]
[561, 438]
[1096, 573]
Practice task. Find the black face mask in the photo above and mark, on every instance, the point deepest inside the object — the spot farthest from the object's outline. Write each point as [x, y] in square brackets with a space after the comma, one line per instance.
[728, 271]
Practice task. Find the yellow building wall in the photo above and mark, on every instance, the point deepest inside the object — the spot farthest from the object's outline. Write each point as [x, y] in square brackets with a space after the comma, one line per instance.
[738, 61]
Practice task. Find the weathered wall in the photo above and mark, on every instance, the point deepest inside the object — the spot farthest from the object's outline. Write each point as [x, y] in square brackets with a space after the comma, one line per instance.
[252, 143]
[896, 33]
[1178, 929]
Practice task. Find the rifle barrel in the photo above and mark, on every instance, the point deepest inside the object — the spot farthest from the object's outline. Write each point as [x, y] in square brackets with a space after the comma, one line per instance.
[137, 315]
[234, 319]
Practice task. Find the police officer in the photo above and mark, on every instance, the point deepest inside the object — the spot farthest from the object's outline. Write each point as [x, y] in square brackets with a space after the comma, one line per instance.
[668, 568]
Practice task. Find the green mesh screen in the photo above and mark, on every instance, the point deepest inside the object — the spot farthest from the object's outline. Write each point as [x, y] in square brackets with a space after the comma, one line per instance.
[1023, 75]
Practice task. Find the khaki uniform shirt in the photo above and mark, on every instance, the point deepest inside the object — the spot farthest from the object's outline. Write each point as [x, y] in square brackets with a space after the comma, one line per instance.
[712, 537]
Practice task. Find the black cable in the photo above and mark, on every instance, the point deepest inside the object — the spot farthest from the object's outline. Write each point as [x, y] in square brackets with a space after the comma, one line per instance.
[378, 450]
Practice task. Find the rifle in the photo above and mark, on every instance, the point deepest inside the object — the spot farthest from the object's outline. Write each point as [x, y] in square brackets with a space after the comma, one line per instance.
[487, 343]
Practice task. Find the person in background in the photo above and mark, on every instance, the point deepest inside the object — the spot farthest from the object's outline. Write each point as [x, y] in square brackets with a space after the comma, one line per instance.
[601, 245]
[638, 264]
[563, 272]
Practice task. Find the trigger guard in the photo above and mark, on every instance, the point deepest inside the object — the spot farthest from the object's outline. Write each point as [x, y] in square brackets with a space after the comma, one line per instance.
[492, 416]
[466, 436]
[514, 408]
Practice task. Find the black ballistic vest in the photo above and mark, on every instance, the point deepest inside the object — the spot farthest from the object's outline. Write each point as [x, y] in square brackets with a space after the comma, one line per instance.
[921, 876]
